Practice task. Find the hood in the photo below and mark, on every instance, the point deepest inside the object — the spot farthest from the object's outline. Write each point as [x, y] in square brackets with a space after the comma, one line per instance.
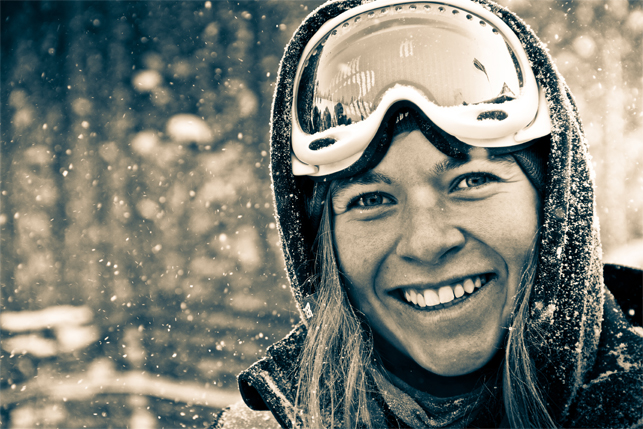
[567, 297]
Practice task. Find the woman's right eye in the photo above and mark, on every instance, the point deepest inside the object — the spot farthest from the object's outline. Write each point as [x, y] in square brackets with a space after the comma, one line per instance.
[369, 200]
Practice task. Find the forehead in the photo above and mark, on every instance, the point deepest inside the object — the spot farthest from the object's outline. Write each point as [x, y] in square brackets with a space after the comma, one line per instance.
[411, 151]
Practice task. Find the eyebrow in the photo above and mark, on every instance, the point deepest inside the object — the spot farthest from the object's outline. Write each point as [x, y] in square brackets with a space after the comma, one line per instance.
[448, 165]
[368, 178]
[453, 163]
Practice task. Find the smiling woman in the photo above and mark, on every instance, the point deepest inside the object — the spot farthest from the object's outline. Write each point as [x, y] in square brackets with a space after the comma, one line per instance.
[436, 210]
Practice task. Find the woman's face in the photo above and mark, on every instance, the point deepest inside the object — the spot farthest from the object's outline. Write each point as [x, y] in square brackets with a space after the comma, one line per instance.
[432, 250]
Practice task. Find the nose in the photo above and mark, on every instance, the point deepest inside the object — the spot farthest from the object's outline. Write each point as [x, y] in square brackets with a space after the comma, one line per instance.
[429, 234]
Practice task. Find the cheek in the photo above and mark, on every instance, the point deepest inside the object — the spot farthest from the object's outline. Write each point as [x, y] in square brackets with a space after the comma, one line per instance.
[510, 224]
[512, 236]
[350, 245]
[360, 250]
[521, 222]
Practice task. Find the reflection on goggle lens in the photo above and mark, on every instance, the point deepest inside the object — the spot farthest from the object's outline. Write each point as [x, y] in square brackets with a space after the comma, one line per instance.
[450, 56]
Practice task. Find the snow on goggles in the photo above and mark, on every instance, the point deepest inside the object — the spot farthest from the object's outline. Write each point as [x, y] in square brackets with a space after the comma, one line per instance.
[455, 61]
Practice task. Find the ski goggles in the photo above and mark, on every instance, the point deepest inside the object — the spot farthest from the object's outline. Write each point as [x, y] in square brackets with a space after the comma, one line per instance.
[453, 60]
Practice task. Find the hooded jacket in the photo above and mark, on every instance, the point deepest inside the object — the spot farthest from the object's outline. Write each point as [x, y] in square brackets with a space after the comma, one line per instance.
[591, 349]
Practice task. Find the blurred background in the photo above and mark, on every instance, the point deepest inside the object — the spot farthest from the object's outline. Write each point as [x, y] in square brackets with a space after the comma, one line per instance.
[140, 264]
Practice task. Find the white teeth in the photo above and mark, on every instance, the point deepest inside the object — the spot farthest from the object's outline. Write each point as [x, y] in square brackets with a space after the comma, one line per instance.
[468, 286]
[446, 294]
[431, 297]
[421, 302]
[458, 290]
[414, 296]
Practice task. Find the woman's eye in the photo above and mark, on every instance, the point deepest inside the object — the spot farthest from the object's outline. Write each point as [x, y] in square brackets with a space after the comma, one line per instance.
[474, 181]
[370, 200]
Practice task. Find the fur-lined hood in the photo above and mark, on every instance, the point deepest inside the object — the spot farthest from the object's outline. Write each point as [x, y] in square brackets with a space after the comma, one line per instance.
[568, 297]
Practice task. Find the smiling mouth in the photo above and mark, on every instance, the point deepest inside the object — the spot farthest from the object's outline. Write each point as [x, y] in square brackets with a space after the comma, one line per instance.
[446, 296]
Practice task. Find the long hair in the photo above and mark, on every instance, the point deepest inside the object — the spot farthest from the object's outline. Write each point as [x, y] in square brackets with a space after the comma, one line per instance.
[524, 403]
[333, 388]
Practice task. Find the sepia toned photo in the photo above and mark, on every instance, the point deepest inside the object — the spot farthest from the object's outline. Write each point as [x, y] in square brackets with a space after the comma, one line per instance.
[308, 214]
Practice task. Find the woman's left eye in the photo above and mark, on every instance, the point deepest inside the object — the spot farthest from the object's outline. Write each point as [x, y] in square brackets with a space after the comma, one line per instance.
[474, 180]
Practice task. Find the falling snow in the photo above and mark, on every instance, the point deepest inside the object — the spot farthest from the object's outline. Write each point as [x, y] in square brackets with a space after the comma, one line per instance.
[141, 269]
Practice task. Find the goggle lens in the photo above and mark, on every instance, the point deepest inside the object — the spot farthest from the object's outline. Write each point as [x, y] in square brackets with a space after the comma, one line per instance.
[452, 57]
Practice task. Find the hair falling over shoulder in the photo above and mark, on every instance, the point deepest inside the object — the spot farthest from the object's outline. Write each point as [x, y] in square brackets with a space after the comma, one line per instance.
[334, 387]
[524, 404]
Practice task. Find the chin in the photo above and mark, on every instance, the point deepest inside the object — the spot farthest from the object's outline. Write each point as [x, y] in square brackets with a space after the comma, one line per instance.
[454, 358]
[459, 365]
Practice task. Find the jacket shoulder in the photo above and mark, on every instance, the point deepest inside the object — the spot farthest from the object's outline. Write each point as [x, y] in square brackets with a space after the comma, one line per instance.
[240, 415]
[268, 387]
[612, 393]
[626, 284]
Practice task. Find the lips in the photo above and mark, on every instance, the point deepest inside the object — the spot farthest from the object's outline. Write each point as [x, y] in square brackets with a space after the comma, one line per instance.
[445, 296]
